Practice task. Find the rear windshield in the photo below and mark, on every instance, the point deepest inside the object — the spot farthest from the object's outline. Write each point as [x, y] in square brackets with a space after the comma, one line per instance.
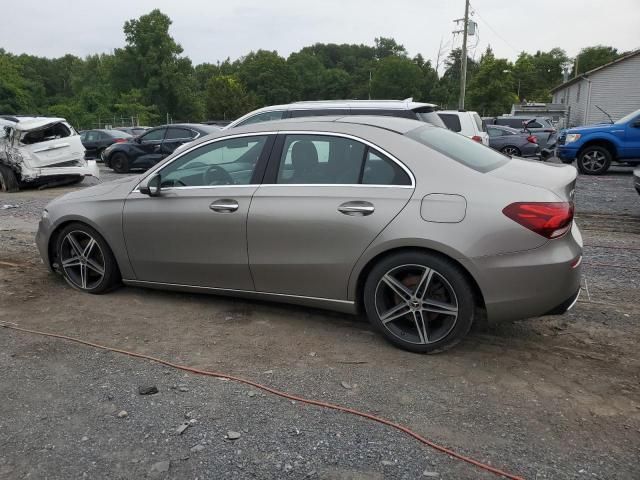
[459, 148]
[451, 120]
[427, 114]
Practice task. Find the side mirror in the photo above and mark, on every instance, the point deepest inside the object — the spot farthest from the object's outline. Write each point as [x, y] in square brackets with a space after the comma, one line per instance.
[137, 139]
[152, 188]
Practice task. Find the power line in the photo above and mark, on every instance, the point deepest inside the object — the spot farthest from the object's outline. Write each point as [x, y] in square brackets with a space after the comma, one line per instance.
[475, 11]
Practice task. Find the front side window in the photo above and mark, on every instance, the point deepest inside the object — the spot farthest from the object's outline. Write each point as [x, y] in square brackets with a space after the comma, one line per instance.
[263, 117]
[467, 152]
[154, 135]
[330, 160]
[452, 121]
[226, 162]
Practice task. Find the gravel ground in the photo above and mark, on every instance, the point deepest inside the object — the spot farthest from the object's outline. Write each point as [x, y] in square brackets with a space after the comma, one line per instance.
[548, 398]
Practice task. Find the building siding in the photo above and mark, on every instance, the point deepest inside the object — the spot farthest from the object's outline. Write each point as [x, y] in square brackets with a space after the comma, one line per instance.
[615, 89]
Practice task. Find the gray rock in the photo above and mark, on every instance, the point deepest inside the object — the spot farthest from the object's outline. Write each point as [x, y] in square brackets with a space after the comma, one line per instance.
[387, 463]
[159, 468]
[147, 389]
[427, 473]
[231, 435]
[182, 388]
[251, 394]
[180, 430]
[346, 385]
[122, 414]
[197, 448]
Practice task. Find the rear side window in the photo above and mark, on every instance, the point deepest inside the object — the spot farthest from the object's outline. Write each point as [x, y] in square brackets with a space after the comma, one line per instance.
[318, 112]
[380, 170]
[452, 121]
[459, 148]
[385, 112]
[511, 122]
[178, 133]
[263, 117]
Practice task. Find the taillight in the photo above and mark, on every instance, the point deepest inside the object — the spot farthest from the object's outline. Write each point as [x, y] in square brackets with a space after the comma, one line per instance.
[532, 139]
[477, 138]
[120, 140]
[549, 219]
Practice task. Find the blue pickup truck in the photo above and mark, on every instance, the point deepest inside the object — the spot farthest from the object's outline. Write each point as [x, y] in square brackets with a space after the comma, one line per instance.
[596, 146]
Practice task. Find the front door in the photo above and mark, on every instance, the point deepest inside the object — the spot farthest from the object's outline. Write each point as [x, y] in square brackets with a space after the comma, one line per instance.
[632, 139]
[319, 208]
[149, 148]
[194, 232]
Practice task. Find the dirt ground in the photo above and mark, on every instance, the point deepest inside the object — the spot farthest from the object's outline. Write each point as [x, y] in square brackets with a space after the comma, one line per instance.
[546, 398]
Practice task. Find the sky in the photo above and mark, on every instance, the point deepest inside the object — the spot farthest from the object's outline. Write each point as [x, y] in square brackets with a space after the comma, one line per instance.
[212, 30]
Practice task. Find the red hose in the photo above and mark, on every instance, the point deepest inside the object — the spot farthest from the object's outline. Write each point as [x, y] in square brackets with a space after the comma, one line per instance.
[288, 396]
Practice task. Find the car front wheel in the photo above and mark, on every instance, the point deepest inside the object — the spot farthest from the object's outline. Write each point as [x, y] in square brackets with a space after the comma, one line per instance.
[85, 260]
[419, 301]
[594, 160]
[120, 163]
[8, 180]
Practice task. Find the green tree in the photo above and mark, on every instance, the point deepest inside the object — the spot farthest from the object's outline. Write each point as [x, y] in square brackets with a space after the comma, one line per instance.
[14, 91]
[227, 98]
[310, 75]
[491, 88]
[397, 77]
[336, 84]
[594, 57]
[447, 91]
[268, 76]
[388, 47]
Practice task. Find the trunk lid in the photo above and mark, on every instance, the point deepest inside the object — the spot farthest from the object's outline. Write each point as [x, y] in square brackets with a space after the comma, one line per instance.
[559, 179]
[50, 142]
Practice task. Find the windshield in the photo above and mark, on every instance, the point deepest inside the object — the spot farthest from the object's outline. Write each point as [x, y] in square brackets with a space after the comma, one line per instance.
[628, 117]
[459, 148]
[430, 117]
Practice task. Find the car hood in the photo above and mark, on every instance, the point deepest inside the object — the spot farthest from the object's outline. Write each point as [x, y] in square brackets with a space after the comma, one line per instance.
[126, 184]
[596, 127]
[559, 179]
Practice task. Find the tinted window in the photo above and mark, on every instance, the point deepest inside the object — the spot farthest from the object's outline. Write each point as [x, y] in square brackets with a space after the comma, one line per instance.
[174, 133]
[511, 122]
[384, 113]
[461, 149]
[430, 117]
[263, 117]
[227, 162]
[380, 170]
[154, 135]
[451, 120]
[318, 112]
[535, 125]
[494, 132]
[313, 159]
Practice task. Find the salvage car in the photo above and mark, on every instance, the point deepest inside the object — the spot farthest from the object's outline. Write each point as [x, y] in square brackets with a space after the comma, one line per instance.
[513, 142]
[154, 145]
[421, 229]
[36, 151]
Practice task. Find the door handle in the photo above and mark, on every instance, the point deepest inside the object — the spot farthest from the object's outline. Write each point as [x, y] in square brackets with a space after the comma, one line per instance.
[356, 209]
[156, 148]
[224, 205]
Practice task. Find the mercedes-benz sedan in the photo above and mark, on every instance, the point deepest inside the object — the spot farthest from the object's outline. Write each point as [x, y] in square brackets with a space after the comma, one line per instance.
[421, 228]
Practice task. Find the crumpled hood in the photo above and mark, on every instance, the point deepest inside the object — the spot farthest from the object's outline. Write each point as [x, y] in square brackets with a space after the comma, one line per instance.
[100, 189]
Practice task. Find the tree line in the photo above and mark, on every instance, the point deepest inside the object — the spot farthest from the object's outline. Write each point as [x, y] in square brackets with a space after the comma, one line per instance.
[149, 80]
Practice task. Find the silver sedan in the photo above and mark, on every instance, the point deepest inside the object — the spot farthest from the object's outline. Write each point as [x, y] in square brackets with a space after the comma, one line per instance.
[420, 228]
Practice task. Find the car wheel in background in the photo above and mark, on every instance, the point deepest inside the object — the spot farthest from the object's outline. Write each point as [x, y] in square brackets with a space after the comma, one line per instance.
[120, 162]
[8, 180]
[85, 260]
[100, 155]
[594, 160]
[511, 151]
[419, 301]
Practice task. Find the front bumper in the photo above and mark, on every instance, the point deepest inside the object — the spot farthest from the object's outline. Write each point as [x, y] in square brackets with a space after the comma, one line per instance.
[565, 152]
[42, 240]
[534, 282]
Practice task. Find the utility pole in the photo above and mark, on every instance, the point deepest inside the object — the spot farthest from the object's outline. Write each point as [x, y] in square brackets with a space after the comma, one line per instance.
[463, 57]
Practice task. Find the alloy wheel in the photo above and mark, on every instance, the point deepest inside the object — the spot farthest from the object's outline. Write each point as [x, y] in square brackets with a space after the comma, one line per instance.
[593, 161]
[511, 151]
[82, 260]
[416, 304]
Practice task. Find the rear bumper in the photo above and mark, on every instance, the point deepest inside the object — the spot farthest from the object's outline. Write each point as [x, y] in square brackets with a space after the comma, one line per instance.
[89, 170]
[534, 282]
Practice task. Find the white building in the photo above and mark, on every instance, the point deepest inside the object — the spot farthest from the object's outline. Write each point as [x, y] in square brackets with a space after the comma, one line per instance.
[614, 87]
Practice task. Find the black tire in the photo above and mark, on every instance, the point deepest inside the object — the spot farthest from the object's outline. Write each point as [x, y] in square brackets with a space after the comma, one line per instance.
[119, 162]
[94, 281]
[8, 180]
[594, 160]
[447, 280]
[511, 151]
[99, 153]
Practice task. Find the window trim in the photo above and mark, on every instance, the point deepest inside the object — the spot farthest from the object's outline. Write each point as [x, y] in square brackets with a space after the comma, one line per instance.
[274, 162]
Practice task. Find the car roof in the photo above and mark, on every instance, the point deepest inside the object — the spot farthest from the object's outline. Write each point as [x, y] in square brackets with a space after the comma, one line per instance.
[394, 124]
[194, 126]
[407, 104]
[457, 112]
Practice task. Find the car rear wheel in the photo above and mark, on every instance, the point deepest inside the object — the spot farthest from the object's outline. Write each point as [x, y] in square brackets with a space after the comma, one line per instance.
[419, 301]
[511, 151]
[100, 155]
[85, 259]
[594, 160]
[8, 180]
[120, 163]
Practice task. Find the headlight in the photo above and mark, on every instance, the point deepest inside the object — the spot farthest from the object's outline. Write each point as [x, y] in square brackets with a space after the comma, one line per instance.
[572, 137]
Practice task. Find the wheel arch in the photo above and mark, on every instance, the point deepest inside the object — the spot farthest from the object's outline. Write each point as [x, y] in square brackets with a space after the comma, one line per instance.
[370, 263]
[605, 143]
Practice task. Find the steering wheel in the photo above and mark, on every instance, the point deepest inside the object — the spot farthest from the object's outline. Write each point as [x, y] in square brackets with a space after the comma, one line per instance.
[216, 175]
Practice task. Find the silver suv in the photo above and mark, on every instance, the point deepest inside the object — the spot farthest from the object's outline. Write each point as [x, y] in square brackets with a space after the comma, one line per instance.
[407, 108]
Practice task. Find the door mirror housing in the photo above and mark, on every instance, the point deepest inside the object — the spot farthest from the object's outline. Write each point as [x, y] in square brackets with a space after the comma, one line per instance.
[152, 188]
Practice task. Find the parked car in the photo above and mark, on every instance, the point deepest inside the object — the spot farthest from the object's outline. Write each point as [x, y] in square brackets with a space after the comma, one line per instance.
[512, 142]
[294, 211]
[155, 145]
[96, 141]
[595, 147]
[39, 150]
[133, 131]
[389, 108]
[542, 127]
[466, 123]
[636, 179]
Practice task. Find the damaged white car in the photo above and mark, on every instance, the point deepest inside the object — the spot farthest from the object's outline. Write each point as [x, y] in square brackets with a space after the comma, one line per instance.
[41, 151]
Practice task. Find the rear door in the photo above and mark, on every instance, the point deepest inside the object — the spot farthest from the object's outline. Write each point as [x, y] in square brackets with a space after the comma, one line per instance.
[52, 144]
[324, 199]
[175, 137]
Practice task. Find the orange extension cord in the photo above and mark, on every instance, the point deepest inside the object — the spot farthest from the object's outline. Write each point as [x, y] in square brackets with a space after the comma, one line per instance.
[288, 396]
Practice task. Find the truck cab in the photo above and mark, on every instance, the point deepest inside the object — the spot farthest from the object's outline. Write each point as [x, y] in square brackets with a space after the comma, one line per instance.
[595, 147]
